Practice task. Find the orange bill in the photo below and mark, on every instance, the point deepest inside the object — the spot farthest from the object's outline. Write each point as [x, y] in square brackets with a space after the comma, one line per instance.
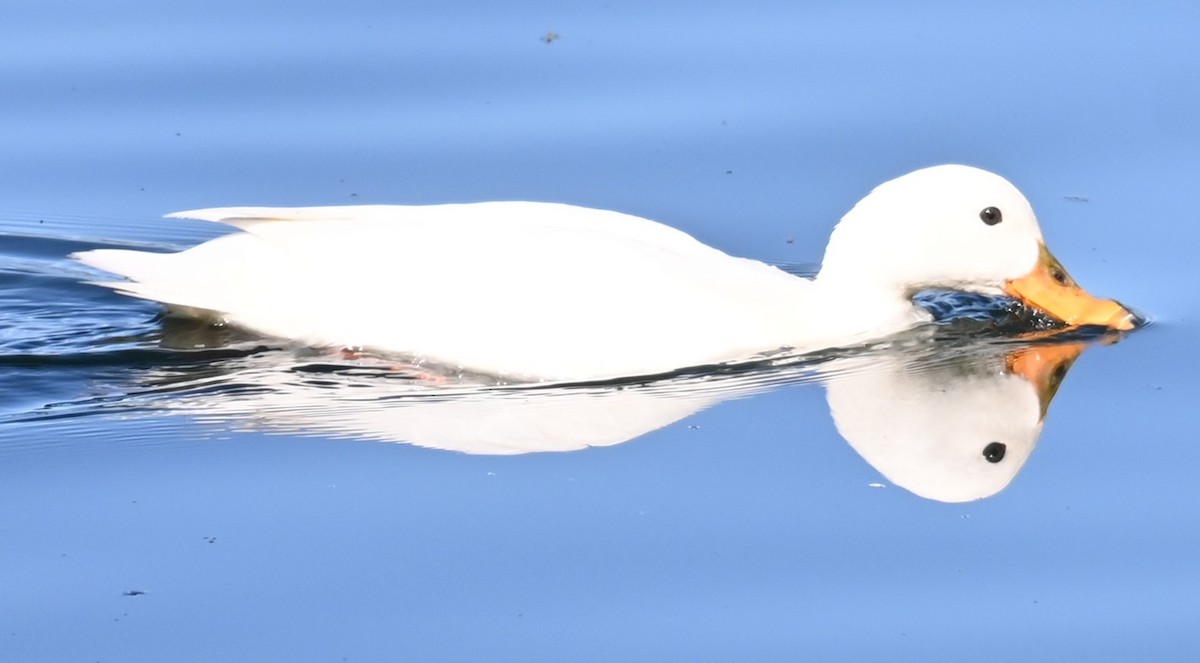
[1050, 289]
[1044, 367]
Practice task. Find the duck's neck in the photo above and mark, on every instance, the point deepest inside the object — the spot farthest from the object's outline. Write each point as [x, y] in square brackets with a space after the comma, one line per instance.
[855, 308]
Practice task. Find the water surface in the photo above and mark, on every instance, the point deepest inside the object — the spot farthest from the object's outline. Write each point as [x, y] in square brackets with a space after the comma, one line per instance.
[171, 494]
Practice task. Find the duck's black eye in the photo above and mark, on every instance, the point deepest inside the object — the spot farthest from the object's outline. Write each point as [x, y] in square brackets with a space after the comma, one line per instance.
[991, 216]
[1059, 276]
[994, 452]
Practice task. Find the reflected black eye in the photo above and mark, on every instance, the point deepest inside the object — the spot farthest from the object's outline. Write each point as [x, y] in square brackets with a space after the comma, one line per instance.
[991, 216]
[994, 452]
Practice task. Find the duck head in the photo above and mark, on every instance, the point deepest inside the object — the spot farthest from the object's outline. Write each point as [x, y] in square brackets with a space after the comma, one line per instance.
[958, 228]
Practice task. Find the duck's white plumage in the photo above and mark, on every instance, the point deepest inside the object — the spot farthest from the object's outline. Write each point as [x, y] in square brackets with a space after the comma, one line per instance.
[549, 291]
[528, 290]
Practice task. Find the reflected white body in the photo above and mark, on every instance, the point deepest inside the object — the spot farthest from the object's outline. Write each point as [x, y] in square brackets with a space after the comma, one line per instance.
[541, 291]
[922, 420]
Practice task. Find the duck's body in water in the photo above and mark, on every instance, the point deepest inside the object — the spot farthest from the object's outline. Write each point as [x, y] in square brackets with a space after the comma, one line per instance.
[544, 291]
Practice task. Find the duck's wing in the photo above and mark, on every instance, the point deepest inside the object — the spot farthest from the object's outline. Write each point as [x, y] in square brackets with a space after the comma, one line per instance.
[515, 218]
[248, 217]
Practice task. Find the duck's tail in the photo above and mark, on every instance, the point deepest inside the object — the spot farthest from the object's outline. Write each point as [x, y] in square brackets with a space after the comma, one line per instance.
[159, 277]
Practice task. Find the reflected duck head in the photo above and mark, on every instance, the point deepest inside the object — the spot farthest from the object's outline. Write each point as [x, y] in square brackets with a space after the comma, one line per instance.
[953, 431]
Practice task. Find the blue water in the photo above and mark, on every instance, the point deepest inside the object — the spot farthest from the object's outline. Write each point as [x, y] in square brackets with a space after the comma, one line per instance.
[188, 494]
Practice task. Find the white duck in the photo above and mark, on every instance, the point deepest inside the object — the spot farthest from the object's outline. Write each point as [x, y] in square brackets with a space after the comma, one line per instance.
[544, 291]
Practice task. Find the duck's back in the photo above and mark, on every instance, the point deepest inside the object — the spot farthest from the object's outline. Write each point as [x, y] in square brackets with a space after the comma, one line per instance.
[528, 290]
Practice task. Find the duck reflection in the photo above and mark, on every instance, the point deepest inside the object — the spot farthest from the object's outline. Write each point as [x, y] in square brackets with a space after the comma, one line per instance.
[947, 421]
[954, 430]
